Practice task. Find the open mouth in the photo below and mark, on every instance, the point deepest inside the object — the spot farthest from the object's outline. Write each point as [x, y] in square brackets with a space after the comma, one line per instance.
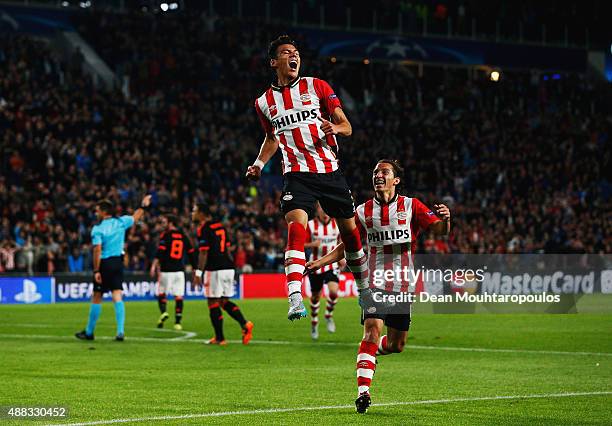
[293, 64]
[379, 181]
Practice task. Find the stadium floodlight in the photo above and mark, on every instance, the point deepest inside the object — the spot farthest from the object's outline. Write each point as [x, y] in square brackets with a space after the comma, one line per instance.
[164, 7]
[65, 4]
[85, 4]
[495, 75]
[173, 6]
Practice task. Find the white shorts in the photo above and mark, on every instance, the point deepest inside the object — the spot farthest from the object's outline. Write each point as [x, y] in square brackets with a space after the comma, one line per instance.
[171, 283]
[219, 283]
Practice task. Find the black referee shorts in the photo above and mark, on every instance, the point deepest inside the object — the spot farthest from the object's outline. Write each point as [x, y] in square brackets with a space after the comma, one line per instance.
[302, 190]
[317, 280]
[111, 270]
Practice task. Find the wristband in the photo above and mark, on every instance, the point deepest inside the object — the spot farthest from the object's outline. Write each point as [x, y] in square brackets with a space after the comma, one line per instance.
[198, 273]
[259, 164]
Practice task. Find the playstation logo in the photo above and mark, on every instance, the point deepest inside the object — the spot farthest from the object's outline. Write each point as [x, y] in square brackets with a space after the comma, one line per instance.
[29, 294]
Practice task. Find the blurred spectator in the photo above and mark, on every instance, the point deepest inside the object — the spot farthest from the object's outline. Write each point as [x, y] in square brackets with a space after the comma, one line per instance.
[8, 248]
[76, 261]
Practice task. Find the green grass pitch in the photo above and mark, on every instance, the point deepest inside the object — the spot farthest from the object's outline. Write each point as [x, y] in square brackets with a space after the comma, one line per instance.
[554, 369]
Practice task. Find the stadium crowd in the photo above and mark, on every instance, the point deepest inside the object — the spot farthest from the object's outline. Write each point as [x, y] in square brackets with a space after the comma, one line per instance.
[523, 163]
[542, 21]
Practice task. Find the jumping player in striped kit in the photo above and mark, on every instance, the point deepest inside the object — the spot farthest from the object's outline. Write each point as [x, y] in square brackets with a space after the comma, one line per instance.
[323, 237]
[303, 115]
[391, 224]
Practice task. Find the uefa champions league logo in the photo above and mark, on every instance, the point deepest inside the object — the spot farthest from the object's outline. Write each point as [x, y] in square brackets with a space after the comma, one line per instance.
[29, 294]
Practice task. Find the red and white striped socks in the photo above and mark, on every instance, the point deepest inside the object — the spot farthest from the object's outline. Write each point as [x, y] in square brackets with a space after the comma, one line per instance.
[329, 308]
[295, 258]
[382, 346]
[314, 313]
[366, 365]
[356, 258]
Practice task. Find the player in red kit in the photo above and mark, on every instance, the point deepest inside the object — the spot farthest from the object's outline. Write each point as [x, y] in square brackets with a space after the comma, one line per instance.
[390, 223]
[323, 237]
[303, 115]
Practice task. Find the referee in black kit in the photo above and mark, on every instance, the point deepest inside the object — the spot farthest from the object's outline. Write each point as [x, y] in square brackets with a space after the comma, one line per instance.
[107, 238]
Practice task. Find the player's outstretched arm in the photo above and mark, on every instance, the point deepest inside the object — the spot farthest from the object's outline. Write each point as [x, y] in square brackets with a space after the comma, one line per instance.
[441, 227]
[267, 150]
[336, 255]
[144, 204]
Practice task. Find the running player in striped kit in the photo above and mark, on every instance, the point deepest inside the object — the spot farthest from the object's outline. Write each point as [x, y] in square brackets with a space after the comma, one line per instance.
[323, 237]
[391, 224]
[303, 115]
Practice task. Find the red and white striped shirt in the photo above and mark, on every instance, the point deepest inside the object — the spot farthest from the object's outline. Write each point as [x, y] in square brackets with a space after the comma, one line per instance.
[392, 230]
[329, 236]
[292, 114]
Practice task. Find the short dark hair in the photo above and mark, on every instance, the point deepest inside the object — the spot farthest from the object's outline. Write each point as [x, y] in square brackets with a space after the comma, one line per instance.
[203, 208]
[283, 39]
[398, 170]
[106, 206]
[172, 219]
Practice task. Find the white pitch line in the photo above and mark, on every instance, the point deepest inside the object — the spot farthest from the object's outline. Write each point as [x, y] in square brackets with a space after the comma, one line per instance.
[24, 325]
[517, 351]
[185, 335]
[136, 339]
[188, 339]
[133, 327]
[188, 335]
[335, 407]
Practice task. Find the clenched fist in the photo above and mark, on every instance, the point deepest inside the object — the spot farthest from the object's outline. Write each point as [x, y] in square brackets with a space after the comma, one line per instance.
[253, 173]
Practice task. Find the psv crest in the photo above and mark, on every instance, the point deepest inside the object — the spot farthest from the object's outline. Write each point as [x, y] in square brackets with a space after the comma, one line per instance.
[305, 97]
[402, 215]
